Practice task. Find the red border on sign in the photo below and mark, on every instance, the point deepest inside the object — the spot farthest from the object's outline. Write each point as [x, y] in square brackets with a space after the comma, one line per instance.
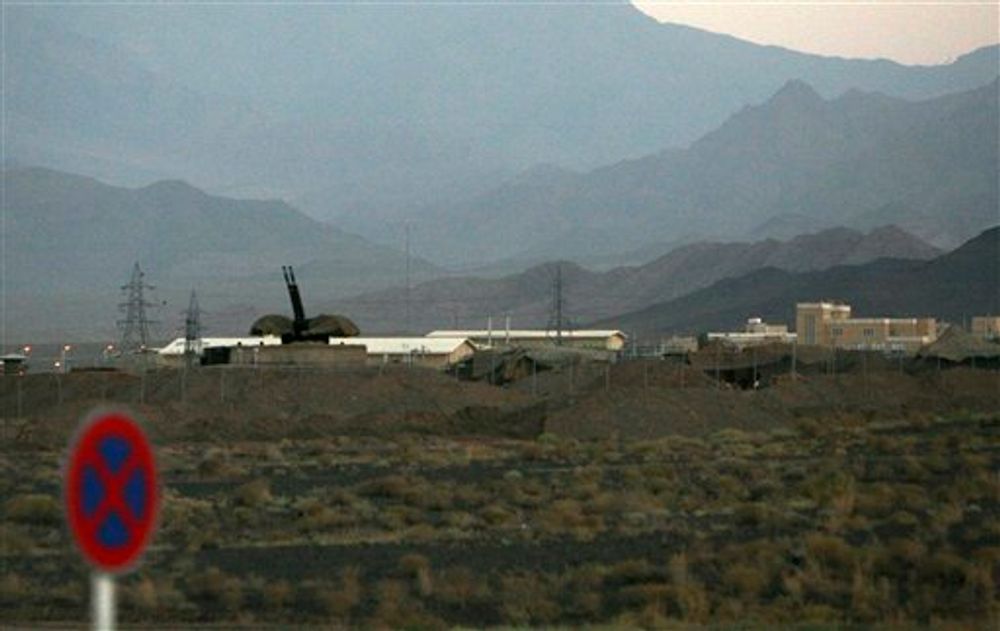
[83, 452]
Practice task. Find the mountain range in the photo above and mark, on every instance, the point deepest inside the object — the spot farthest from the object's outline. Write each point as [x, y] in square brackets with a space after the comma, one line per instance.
[792, 164]
[375, 115]
[527, 297]
[71, 241]
[954, 286]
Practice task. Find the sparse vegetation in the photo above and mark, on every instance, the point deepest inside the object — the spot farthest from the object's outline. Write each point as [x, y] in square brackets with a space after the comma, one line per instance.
[839, 522]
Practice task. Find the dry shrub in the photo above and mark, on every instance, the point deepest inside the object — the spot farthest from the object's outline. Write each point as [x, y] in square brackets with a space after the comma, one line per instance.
[566, 516]
[693, 603]
[677, 568]
[13, 588]
[13, 541]
[460, 586]
[631, 571]
[656, 595]
[277, 594]
[341, 601]
[418, 567]
[142, 595]
[215, 587]
[527, 599]
[215, 464]
[870, 598]
[744, 581]
[396, 487]
[34, 508]
[497, 515]
[830, 552]
[255, 493]
[314, 515]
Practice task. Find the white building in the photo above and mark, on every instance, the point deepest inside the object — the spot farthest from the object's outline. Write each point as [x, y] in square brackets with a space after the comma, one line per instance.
[176, 347]
[608, 340]
[755, 333]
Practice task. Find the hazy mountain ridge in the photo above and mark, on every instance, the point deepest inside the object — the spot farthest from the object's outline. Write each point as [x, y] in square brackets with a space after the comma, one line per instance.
[71, 241]
[828, 162]
[953, 287]
[389, 109]
[527, 297]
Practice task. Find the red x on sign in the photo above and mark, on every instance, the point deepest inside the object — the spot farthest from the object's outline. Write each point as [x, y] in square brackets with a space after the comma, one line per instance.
[111, 492]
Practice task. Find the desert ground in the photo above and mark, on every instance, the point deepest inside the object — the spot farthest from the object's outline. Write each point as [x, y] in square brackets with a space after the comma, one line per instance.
[644, 495]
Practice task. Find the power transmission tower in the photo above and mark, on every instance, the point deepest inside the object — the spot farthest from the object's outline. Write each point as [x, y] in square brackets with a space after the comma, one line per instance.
[192, 329]
[135, 325]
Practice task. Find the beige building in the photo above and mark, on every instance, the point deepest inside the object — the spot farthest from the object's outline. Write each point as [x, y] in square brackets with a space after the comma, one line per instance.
[411, 351]
[605, 340]
[986, 327]
[830, 324]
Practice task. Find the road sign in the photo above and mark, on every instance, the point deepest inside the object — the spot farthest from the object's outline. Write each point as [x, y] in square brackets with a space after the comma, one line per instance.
[111, 491]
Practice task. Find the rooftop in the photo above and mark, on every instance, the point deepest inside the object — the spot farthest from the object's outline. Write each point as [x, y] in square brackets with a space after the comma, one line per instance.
[403, 345]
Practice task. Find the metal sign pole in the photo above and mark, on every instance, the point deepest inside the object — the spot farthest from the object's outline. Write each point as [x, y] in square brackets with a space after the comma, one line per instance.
[102, 600]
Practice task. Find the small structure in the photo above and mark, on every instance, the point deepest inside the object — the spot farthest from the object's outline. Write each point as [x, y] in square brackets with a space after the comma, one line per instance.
[173, 354]
[14, 364]
[755, 333]
[957, 346]
[986, 327]
[607, 340]
[830, 324]
[429, 352]
[678, 346]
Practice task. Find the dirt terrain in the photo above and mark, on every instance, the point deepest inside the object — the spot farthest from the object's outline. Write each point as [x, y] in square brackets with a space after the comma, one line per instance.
[642, 497]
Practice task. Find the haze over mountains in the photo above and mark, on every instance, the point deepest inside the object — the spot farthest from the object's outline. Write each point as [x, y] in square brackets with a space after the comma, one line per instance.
[859, 160]
[954, 286]
[372, 115]
[71, 241]
[527, 297]
[505, 135]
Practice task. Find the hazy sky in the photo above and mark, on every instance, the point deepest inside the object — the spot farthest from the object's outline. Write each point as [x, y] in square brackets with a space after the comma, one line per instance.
[912, 32]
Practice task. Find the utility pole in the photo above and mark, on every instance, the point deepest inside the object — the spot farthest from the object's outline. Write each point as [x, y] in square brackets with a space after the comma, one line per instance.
[408, 284]
[556, 320]
[135, 324]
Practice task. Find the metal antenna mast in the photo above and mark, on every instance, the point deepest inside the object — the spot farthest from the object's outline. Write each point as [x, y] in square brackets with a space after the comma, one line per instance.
[135, 324]
[192, 328]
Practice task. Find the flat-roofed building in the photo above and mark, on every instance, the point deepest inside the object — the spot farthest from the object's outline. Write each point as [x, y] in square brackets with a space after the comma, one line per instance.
[830, 324]
[606, 340]
[438, 352]
[986, 327]
[756, 332]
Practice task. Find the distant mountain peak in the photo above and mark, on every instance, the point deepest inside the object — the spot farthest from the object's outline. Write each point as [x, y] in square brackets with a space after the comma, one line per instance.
[796, 91]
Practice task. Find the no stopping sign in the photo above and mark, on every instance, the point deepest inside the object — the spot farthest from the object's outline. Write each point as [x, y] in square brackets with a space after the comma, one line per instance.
[111, 491]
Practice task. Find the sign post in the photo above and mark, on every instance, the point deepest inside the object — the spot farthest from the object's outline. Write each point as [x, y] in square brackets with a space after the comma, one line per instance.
[112, 501]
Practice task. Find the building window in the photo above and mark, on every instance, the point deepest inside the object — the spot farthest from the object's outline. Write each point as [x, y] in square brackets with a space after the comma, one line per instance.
[869, 332]
[837, 331]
